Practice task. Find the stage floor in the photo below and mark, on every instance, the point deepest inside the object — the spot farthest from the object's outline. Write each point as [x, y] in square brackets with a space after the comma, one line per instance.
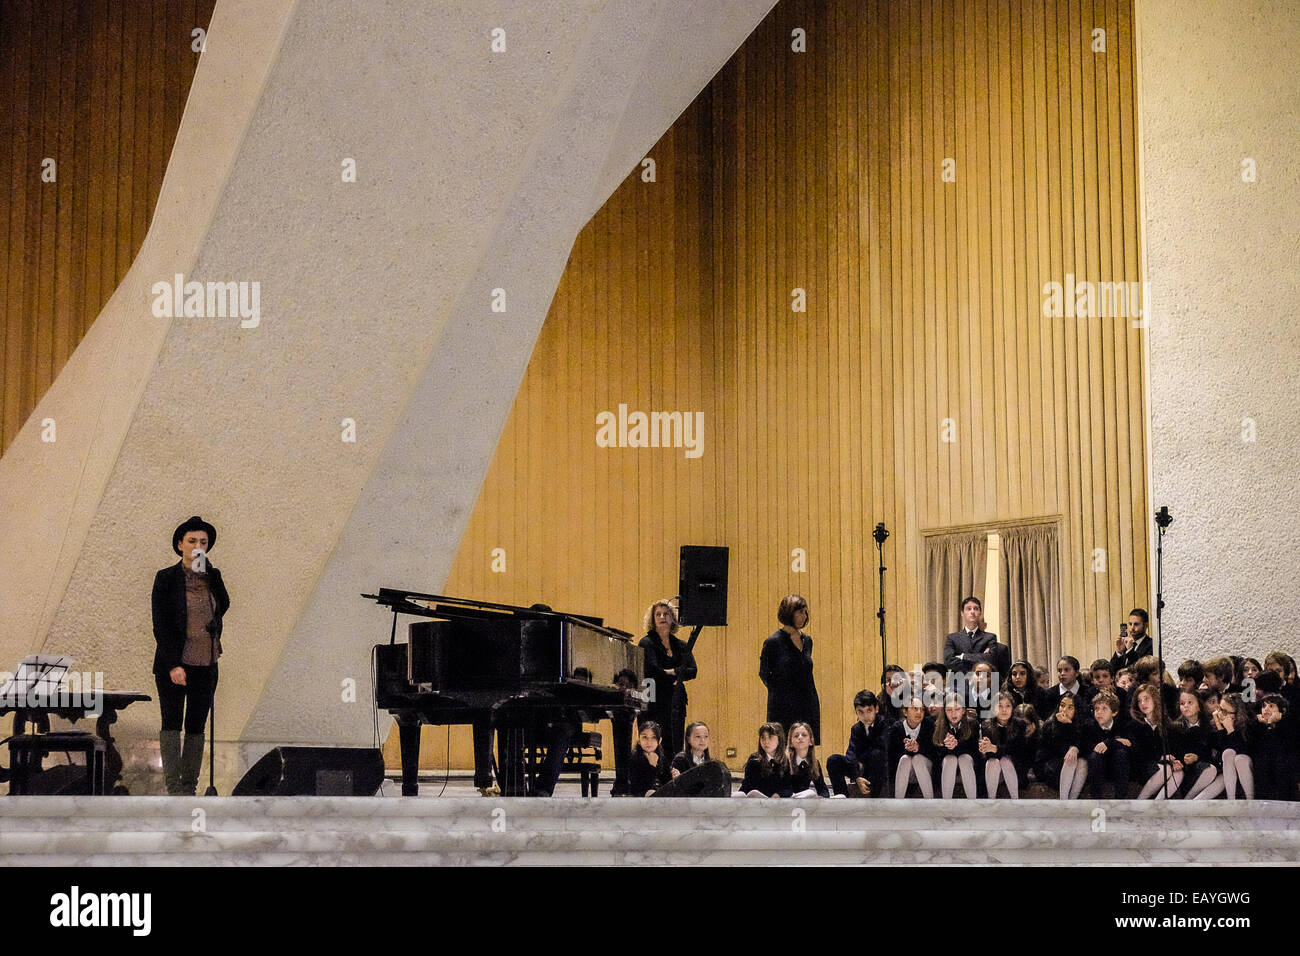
[461, 828]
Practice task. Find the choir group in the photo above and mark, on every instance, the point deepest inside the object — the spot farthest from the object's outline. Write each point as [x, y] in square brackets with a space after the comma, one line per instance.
[1124, 727]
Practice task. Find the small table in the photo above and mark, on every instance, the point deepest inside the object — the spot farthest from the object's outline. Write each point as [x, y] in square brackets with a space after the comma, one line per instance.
[111, 701]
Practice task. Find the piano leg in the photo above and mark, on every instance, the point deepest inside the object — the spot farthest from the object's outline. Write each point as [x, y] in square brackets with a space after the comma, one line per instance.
[409, 737]
[482, 726]
[621, 719]
[511, 773]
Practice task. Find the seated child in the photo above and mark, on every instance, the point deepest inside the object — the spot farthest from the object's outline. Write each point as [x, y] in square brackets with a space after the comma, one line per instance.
[648, 768]
[1106, 747]
[911, 750]
[1231, 745]
[1275, 758]
[804, 776]
[864, 763]
[1190, 738]
[1004, 748]
[1058, 764]
[956, 741]
[765, 768]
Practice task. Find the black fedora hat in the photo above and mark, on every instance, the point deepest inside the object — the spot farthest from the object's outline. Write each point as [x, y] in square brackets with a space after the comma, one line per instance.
[195, 523]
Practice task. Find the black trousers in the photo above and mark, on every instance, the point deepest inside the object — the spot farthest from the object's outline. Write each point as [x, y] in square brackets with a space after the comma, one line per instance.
[874, 768]
[189, 703]
[1112, 766]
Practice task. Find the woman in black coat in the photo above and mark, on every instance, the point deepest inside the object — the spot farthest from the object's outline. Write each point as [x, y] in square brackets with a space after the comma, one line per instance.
[189, 600]
[786, 670]
[669, 663]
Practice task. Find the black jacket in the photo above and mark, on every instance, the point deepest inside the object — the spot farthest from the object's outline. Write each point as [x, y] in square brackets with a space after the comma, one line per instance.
[1236, 741]
[670, 689]
[864, 741]
[1147, 743]
[1143, 648]
[641, 777]
[1050, 700]
[170, 614]
[1184, 740]
[969, 747]
[1031, 695]
[925, 737]
[791, 691]
[1011, 741]
[1092, 734]
[764, 774]
[1053, 741]
[800, 778]
[961, 652]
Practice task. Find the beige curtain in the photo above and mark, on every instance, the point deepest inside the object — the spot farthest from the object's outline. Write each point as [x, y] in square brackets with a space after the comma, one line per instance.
[1031, 594]
[955, 567]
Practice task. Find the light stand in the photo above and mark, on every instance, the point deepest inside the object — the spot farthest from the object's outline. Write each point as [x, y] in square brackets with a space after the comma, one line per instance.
[214, 628]
[1163, 520]
[880, 534]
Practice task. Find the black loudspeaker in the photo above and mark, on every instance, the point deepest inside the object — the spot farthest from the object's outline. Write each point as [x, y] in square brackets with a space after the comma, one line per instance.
[314, 772]
[703, 586]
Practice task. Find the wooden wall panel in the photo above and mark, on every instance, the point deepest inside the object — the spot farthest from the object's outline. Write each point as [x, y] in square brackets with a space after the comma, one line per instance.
[823, 170]
[99, 87]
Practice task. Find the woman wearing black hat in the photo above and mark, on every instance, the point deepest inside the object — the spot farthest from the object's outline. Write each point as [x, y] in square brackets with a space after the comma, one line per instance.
[189, 600]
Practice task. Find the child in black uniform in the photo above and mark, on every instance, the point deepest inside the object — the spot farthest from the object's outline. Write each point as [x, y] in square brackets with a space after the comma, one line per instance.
[803, 769]
[956, 740]
[648, 768]
[1232, 744]
[1004, 749]
[696, 751]
[1275, 761]
[765, 768]
[1190, 739]
[693, 772]
[1021, 686]
[864, 763]
[1058, 764]
[1106, 747]
[911, 750]
[1149, 732]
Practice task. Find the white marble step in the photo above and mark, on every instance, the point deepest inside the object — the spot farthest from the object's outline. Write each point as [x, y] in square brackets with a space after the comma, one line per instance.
[394, 831]
[478, 814]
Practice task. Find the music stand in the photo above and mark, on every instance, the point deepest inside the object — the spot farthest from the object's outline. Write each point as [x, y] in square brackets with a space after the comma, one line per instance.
[37, 672]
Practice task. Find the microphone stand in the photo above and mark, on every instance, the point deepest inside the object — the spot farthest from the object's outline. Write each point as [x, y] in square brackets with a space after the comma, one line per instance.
[880, 534]
[214, 627]
[1163, 520]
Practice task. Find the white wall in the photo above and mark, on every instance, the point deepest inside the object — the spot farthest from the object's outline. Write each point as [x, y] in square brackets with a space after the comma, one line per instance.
[1220, 82]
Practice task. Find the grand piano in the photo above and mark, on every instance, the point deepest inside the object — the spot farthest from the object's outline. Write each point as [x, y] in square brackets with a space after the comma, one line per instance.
[527, 674]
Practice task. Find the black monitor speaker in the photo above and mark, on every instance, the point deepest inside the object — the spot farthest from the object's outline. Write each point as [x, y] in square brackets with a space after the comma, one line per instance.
[314, 772]
[703, 586]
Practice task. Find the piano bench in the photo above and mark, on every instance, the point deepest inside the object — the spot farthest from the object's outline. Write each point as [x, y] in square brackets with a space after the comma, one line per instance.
[28, 751]
[584, 758]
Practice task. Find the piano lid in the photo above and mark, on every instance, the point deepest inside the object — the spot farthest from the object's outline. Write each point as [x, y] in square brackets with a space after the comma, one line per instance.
[403, 602]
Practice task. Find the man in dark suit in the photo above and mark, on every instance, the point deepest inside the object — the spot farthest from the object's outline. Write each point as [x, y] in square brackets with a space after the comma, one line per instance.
[963, 649]
[1136, 645]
